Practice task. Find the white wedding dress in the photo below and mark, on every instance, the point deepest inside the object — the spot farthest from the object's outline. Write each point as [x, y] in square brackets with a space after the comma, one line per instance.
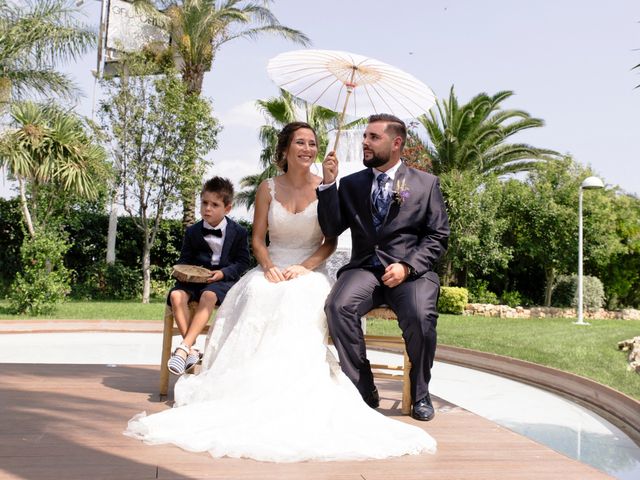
[269, 388]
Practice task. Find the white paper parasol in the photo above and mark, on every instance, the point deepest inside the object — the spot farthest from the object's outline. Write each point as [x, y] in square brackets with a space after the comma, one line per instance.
[350, 84]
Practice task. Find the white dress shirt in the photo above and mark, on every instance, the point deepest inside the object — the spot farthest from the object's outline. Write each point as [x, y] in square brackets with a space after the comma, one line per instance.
[215, 243]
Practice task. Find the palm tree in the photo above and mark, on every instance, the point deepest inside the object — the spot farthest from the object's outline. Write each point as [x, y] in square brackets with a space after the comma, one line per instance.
[468, 148]
[50, 150]
[472, 137]
[33, 39]
[199, 28]
[280, 111]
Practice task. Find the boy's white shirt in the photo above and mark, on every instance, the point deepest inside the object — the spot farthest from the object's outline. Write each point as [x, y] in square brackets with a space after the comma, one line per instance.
[215, 243]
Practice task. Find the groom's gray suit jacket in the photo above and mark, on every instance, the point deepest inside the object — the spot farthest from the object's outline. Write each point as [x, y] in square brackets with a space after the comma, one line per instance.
[414, 231]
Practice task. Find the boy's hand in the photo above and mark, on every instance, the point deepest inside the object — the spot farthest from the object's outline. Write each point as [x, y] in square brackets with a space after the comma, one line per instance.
[216, 276]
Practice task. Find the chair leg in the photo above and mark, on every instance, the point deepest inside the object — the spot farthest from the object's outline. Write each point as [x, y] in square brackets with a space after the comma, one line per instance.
[406, 385]
[167, 336]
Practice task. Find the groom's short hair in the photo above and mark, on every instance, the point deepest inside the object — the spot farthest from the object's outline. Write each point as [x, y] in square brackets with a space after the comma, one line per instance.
[395, 126]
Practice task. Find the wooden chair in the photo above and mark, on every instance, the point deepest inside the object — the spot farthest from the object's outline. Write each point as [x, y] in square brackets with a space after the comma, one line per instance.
[396, 344]
[373, 341]
[168, 331]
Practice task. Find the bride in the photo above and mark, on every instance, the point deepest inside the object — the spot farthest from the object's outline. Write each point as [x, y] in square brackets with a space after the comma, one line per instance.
[269, 388]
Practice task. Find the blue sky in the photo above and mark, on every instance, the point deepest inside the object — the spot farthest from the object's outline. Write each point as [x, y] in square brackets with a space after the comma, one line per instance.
[568, 62]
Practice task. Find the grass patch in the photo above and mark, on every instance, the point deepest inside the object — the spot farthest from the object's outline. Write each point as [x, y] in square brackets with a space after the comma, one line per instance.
[77, 310]
[590, 351]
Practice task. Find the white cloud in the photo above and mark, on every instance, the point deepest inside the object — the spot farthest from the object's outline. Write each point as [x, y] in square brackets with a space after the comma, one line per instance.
[244, 115]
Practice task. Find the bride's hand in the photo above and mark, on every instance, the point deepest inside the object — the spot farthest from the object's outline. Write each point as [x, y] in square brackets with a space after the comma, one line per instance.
[295, 271]
[274, 275]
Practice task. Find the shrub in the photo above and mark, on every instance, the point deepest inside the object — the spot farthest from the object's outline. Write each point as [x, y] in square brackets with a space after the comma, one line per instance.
[453, 300]
[161, 281]
[565, 292]
[115, 281]
[479, 293]
[44, 280]
[512, 298]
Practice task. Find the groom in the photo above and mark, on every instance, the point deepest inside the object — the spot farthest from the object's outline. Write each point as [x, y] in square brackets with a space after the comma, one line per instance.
[399, 230]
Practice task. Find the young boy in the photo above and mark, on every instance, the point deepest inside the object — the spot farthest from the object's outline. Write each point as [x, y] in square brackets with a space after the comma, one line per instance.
[219, 244]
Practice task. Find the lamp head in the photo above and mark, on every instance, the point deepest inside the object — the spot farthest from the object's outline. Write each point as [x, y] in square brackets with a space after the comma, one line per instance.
[591, 183]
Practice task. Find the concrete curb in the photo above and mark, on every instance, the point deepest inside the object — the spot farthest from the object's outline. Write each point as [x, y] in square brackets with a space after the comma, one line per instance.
[620, 409]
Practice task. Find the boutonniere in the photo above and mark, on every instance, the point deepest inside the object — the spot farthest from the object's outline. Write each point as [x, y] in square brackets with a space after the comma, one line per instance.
[400, 191]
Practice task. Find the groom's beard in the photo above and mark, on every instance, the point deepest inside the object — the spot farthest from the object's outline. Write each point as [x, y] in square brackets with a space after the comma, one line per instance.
[375, 161]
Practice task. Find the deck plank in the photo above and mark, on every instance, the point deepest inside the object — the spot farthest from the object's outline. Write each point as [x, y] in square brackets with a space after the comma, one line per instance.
[66, 422]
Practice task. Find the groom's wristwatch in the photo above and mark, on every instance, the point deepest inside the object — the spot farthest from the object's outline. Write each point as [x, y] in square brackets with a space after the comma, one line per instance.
[411, 272]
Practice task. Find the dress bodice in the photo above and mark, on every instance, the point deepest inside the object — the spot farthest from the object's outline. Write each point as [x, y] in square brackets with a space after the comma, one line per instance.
[293, 237]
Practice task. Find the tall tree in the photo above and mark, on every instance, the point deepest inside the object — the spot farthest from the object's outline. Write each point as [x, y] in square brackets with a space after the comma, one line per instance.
[543, 222]
[49, 151]
[473, 137]
[199, 28]
[620, 273]
[53, 156]
[475, 246]
[279, 111]
[33, 39]
[147, 119]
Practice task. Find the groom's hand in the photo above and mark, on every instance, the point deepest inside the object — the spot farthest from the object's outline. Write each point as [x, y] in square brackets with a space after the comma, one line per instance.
[395, 274]
[330, 168]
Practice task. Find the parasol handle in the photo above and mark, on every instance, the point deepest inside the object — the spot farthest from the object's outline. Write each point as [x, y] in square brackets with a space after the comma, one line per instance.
[341, 119]
[350, 86]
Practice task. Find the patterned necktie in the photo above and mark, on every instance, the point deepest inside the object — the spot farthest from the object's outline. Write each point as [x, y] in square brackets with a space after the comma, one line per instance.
[380, 201]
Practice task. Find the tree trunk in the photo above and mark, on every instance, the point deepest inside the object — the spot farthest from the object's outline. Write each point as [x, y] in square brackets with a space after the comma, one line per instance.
[448, 273]
[193, 78]
[25, 207]
[113, 230]
[188, 207]
[550, 276]
[146, 271]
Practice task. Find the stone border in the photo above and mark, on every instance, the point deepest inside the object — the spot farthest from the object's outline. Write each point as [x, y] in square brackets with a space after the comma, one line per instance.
[620, 409]
[504, 311]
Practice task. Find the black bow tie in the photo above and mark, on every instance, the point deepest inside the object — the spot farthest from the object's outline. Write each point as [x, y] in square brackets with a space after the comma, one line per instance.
[216, 232]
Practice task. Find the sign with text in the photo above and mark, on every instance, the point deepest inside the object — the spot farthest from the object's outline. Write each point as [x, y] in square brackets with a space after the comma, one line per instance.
[130, 29]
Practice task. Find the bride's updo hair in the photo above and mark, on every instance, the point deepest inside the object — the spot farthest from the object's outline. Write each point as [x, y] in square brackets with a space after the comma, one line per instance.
[284, 140]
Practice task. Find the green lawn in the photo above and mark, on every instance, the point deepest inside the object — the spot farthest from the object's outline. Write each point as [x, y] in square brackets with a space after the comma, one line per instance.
[590, 351]
[96, 311]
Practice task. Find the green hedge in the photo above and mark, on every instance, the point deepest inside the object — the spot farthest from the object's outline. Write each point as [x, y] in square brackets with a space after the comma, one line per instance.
[453, 300]
[87, 237]
[11, 235]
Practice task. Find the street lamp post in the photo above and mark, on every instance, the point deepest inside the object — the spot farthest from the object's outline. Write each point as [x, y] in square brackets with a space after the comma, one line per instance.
[589, 183]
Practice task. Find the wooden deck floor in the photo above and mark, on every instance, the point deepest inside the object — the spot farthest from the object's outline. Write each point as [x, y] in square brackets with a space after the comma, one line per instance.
[65, 422]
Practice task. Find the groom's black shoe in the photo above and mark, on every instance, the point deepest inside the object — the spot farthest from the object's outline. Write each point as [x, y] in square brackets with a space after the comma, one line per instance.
[423, 409]
[373, 400]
